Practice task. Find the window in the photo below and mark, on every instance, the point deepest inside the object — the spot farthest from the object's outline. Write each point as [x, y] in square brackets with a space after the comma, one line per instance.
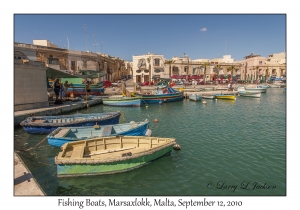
[53, 61]
[260, 62]
[156, 62]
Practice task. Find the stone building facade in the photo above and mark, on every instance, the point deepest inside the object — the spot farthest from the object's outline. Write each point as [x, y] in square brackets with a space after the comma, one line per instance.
[73, 61]
[30, 86]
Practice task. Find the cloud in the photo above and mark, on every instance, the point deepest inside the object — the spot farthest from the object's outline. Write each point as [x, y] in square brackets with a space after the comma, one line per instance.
[203, 29]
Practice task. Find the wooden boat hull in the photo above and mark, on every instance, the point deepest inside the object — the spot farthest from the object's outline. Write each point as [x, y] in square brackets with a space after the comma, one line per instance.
[259, 90]
[78, 91]
[208, 97]
[63, 135]
[130, 153]
[170, 96]
[250, 94]
[195, 97]
[224, 96]
[47, 124]
[122, 101]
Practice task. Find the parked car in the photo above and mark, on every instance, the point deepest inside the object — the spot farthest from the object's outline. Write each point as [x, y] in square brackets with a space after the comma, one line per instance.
[117, 83]
[178, 83]
[147, 83]
[107, 83]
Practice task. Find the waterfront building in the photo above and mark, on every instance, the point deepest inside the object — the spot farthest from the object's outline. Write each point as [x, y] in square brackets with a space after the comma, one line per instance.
[73, 61]
[30, 86]
[256, 67]
[147, 66]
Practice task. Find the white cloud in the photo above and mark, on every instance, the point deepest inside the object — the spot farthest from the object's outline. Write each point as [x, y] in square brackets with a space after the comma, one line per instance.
[203, 29]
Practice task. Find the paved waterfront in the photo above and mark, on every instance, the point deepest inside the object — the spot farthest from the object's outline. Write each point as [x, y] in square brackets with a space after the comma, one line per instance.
[24, 182]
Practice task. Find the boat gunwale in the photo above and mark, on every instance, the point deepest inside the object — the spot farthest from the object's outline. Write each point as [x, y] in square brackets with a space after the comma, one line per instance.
[53, 133]
[107, 116]
[83, 160]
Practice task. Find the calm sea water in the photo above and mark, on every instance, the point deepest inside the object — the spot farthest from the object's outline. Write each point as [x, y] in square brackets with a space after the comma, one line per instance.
[228, 148]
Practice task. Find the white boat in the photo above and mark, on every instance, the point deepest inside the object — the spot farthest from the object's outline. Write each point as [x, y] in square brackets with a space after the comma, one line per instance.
[208, 96]
[257, 89]
[195, 97]
[249, 94]
[241, 91]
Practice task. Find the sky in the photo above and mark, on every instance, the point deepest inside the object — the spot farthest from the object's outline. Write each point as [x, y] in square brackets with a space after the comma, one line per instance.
[124, 35]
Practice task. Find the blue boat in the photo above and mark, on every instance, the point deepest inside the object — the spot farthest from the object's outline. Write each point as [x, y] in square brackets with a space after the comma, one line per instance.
[63, 135]
[163, 95]
[122, 101]
[47, 124]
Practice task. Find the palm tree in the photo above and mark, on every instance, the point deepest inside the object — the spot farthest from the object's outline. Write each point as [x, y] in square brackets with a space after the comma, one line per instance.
[246, 71]
[267, 73]
[149, 60]
[170, 66]
[205, 65]
[256, 71]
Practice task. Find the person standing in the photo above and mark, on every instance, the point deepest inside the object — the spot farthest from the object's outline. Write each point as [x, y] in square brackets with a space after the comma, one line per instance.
[88, 87]
[57, 87]
[65, 88]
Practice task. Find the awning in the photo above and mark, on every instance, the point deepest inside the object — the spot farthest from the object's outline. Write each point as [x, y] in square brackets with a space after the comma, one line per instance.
[91, 74]
[53, 74]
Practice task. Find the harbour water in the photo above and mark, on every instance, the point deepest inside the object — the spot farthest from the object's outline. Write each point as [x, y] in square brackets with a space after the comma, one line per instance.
[228, 148]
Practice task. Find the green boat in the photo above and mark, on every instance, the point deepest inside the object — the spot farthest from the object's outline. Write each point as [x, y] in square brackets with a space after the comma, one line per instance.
[110, 155]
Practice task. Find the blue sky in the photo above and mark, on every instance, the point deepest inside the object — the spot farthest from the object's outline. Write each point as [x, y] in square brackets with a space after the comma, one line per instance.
[124, 35]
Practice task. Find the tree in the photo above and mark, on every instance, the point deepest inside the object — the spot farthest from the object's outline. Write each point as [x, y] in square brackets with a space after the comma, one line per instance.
[205, 69]
[256, 71]
[149, 63]
[170, 62]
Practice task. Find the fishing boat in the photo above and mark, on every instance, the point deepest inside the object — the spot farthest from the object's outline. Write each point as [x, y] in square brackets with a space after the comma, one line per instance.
[110, 155]
[195, 97]
[208, 96]
[257, 89]
[263, 86]
[77, 91]
[46, 124]
[225, 96]
[63, 135]
[122, 101]
[163, 95]
[249, 94]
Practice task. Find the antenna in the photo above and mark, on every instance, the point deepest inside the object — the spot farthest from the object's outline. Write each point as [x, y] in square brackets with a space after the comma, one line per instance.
[225, 47]
[101, 47]
[35, 34]
[95, 42]
[84, 27]
[68, 42]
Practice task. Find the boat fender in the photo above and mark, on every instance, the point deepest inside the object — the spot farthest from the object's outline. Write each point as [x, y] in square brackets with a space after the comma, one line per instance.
[177, 147]
[148, 133]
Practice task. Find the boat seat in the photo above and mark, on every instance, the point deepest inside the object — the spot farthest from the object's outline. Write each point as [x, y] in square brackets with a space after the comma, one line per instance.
[63, 132]
[77, 152]
[107, 130]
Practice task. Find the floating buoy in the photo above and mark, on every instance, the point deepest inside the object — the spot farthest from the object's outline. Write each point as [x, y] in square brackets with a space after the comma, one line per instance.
[204, 102]
[96, 126]
[177, 147]
[155, 120]
[147, 106]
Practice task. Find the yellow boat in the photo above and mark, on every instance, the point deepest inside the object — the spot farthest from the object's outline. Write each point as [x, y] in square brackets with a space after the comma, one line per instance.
[225, 96]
